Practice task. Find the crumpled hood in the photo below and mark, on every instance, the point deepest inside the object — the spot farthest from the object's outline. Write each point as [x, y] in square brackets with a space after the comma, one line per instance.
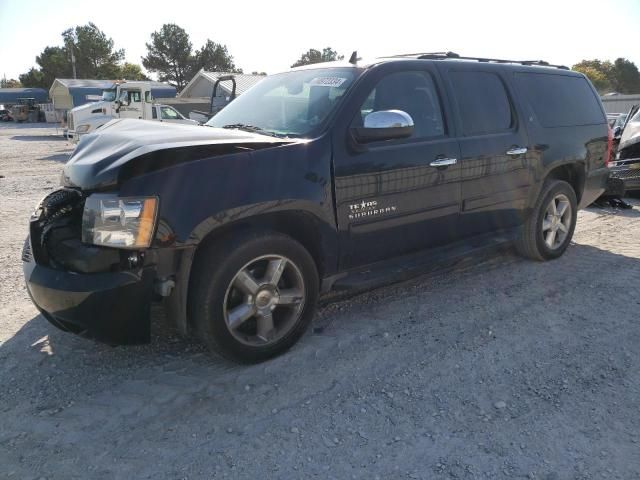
[99, 156]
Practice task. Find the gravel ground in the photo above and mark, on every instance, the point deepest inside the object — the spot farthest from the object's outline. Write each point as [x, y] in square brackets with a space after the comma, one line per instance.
[502, 368]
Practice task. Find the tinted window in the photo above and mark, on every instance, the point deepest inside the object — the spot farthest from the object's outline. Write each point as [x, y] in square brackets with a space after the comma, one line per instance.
[134, 96]
[560, 100]
[412, 92]
[154, 114]
[169, 113]
[482, 102]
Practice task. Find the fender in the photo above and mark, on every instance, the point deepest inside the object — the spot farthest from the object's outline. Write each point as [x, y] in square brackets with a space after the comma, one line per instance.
[299, 219]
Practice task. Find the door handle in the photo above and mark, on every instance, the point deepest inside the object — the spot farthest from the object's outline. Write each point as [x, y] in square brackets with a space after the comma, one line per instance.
[517, 151]
[444, 162]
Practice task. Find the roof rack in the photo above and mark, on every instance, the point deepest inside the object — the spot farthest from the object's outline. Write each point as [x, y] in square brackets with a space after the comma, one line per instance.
[455, 56]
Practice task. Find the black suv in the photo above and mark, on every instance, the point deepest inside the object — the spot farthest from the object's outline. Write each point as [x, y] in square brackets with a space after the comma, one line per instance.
[327, 177]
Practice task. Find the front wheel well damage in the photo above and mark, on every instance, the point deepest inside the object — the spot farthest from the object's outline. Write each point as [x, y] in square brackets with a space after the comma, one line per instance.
[301, 226]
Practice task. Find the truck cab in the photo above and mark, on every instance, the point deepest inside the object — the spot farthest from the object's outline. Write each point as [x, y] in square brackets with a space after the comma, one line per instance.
[123, 100]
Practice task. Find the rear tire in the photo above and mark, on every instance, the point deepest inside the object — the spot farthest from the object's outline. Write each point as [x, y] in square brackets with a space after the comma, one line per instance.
[547, 232]
[252, 298]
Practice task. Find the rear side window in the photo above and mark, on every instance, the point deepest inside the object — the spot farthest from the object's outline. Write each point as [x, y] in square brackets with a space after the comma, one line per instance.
[483, 102]
[560, 100]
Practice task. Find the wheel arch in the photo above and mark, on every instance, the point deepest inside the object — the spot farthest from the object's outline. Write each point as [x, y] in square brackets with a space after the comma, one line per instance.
[304, 227]
[572, 173]
[314, 234]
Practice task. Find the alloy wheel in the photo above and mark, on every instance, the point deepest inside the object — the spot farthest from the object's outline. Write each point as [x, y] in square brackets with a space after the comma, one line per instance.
[556, 222]
[264, 300]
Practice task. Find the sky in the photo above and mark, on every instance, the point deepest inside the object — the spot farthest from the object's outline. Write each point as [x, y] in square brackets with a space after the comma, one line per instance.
[271, 35]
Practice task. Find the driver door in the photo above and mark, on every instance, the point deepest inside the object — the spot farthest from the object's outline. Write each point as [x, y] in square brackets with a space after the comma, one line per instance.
[398, 196]
[131, 104]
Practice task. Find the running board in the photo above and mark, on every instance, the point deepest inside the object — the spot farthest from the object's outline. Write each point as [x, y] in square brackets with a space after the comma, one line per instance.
[415, 264]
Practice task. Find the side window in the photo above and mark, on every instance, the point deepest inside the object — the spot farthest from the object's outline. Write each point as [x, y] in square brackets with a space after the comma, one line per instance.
[560, 100]
[134, 96]
[483, 102]
[154, 113]
[168, 113]
[412, 92]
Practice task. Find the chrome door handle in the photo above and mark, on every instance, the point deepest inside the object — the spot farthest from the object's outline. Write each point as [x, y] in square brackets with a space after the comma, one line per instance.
[444, 162]
[517, 151]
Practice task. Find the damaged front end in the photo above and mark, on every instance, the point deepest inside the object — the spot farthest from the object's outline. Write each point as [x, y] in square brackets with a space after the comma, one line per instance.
[100, 292]
[626, 166]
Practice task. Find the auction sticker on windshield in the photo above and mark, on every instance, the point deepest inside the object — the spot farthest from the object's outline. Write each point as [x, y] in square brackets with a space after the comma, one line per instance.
[327, 81]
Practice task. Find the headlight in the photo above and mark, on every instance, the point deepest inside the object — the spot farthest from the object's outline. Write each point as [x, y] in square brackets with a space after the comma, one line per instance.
[119, 222]
[83, 128]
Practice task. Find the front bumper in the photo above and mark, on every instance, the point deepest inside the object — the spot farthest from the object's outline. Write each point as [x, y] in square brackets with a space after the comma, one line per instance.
[112, 307]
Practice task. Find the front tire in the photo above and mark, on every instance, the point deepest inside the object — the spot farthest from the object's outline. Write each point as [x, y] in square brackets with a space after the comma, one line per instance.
[547, 232]
[253, 298]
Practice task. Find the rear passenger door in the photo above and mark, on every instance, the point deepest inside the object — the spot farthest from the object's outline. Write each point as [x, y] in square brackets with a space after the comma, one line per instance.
[495, 167]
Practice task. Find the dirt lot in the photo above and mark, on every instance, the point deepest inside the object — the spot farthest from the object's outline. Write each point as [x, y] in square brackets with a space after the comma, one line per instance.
[503, 368]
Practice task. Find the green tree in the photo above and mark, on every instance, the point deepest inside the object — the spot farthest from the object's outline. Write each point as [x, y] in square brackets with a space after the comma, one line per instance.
[169, 54]
[54, 63]
[10, 83]
[94, 52]
[600, 79]
[621, 76]
[34, 78]
[626, 76]
[317, 56]
[213, 57]
[131, 71]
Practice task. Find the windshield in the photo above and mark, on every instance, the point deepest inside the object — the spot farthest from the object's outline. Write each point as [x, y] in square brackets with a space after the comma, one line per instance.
[109, 95]
[288, 104]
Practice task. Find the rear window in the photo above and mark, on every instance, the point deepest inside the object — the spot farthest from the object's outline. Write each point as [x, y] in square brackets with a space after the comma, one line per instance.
[482, 102]
[560, 100]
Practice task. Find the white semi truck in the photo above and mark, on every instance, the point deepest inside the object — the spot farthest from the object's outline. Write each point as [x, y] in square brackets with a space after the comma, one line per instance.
[123, 100]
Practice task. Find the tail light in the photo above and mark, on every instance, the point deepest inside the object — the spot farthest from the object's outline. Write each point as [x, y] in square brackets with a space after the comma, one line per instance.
[609, 147]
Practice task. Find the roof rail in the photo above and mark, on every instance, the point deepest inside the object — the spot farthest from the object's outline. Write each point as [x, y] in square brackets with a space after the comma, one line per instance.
[455, 56]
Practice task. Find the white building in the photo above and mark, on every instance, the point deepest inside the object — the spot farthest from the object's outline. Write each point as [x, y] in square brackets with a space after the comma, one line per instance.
[617, 103]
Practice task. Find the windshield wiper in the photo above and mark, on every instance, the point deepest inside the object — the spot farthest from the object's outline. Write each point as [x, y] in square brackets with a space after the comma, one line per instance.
[250, 128]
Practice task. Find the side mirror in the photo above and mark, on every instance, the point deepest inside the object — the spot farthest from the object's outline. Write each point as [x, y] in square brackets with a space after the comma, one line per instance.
[384, 125]
[617, 131]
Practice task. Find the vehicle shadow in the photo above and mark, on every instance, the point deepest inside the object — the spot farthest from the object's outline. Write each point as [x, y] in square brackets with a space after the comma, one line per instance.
[38, 138]
[58, 157]
[622, 212]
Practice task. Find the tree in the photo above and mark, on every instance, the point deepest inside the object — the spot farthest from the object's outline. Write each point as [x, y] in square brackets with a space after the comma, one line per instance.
[34, 78]
[213, 57]
[94, 53]
[316, 56]
[54, 63]
[11, 83]
[131, 71]
[264, 74]
[626, 75]
[599, 78]
[621, 76]
[169, 54]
